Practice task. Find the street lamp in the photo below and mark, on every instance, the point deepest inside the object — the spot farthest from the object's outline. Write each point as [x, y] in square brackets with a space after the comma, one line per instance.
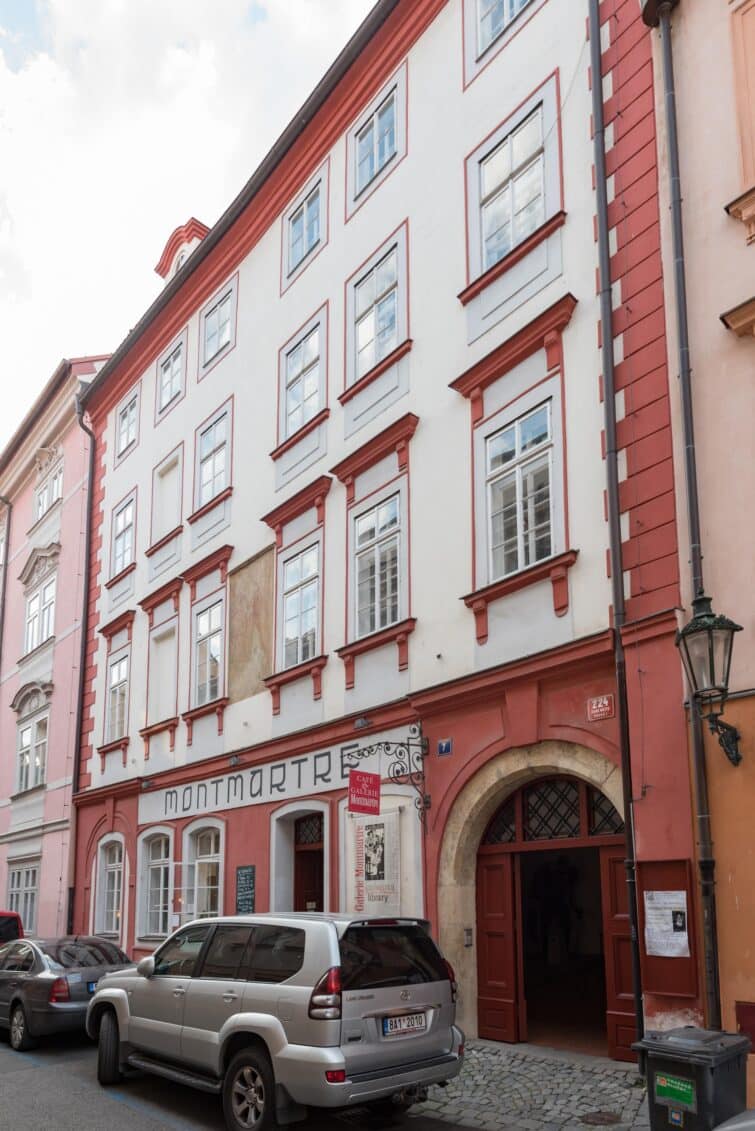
[705, 644]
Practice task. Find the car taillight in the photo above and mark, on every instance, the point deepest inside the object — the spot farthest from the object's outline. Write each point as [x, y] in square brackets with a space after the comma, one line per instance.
[59, 990]
[325, 1003]
[336, 1075]
[451, 978]
[461, 1050]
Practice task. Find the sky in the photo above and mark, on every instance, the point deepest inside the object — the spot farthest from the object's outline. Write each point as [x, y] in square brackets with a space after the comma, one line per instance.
[120, 119]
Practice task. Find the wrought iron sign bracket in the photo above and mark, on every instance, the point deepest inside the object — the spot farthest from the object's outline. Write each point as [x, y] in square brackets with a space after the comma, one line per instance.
[406, 764]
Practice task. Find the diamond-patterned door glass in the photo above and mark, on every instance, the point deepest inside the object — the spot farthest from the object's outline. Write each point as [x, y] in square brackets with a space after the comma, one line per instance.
[604, 818]
[551, 810]
[308, 830]
[502, 829]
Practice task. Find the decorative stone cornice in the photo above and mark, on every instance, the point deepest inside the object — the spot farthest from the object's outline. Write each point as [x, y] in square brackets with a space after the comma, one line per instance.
[741, 319]
[395, 438]
[743, 208]
[31, 697]
[42, 561]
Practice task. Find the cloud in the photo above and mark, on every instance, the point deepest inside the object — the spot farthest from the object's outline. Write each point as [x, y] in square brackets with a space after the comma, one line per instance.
[119, 119]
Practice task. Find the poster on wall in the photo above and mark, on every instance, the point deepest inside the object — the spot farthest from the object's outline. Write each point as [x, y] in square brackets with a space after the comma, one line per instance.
[666, 928]
[377, 860]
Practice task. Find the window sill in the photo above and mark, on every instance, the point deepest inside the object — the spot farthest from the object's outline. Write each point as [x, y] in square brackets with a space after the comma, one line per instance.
[53, 507]
[291, 441]
[214, 502]
[162, 542]
[743, 208]
[376, 371]
[555, 569]
[22, 794]
[514, 256]
[120, 456]
[171, 725]
[277, 680]
[215, 707]
[40, 648]
[111, 584]
[398, 633]
[121, 744]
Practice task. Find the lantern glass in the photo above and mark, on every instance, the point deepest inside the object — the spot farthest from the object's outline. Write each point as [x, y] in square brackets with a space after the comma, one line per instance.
[706, 654]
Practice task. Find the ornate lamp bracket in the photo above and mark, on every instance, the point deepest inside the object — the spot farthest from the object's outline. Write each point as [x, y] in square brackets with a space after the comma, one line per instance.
[406, 764]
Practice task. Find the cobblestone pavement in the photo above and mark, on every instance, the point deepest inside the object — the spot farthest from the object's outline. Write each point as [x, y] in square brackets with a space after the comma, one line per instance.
[508, 1087]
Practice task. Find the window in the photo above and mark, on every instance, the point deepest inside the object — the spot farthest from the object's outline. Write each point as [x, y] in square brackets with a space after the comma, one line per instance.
[304, 229]
[158, 885]
[208, 653]
[123, 536]
[301, 601]
[40, 616]
[303, 382]
[376, 143]
[32, 753]
[178, 958]
[277, 953]
[377, 567]
[512, 197]
[227, 949]
[203, 895]
[23, 885]
[117, 699]
[377, 313]
[112, 882]
[217, 327]
[213, 459]
[494, 16]
[171, 377]
[518, 463]
[49, 492]
[126, 427]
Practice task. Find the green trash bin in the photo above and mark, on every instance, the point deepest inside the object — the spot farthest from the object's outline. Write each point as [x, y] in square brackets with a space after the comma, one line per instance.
[697, 1078]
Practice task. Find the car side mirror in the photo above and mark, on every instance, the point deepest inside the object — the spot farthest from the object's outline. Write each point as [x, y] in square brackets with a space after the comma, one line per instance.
[146, 966]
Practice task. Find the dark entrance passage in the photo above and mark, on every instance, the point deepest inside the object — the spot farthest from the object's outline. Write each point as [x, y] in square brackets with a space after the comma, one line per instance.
[562, 950]
[308, 863]
[553, 939]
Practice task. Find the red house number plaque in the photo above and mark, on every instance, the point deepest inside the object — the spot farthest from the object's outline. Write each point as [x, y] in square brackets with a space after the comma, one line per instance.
[600, 707]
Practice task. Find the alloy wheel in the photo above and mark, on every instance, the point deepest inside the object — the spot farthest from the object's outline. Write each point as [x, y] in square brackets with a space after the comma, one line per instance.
[248, 1097]
[17, 1028]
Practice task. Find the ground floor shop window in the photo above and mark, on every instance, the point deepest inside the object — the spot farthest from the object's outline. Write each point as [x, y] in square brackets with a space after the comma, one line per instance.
[202, 892]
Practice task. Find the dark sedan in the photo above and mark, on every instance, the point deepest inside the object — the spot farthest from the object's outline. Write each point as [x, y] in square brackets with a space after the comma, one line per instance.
[46, 984]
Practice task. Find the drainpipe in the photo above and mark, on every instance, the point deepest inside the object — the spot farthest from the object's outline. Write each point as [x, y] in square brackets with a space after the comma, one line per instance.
[83, 644]
[9, 511]
[612, 486]
[657, 13]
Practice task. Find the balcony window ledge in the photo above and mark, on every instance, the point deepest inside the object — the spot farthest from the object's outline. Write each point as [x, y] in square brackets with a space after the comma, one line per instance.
[743, 208]
[741, 319]
[28, 656]
[396, 633]
[555, 570]
[277, 680]
[120, 576]
[515, 256]
[215, 707]
[292, 440]
[146, 733]
[377, 371]
[121, 744]
[162, 542]
[210, 505]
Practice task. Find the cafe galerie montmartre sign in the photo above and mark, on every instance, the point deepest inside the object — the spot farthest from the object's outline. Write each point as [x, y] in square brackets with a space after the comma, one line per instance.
[286, 779]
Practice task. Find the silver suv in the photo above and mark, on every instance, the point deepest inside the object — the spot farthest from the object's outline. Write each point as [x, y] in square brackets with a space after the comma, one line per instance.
[282, 1012]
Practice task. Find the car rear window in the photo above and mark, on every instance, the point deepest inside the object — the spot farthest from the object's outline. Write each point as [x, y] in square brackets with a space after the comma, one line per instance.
[275, 954]
[377, 956]
[74, 952]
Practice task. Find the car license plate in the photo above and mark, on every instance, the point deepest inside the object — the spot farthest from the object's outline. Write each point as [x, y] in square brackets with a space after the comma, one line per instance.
[409, 1023]
[92, 986]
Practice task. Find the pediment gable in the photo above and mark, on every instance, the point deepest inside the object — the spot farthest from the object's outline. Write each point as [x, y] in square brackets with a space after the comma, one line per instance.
[32, 697]
[42, 561]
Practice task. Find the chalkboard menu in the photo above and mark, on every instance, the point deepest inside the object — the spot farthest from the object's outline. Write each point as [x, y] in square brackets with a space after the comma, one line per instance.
[245, 889]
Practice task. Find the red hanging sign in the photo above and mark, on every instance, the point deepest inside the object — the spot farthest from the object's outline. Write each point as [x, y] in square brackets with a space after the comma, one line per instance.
[364, 792]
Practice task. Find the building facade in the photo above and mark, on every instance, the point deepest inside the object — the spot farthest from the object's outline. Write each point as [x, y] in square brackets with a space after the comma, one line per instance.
[350, 496]
[43, 524]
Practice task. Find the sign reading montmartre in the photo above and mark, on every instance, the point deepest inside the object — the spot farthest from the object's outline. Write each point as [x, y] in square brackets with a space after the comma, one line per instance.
[301, 776]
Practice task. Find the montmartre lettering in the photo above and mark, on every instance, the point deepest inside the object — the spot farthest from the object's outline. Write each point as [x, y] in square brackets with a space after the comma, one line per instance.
[234, 783]
[280, 785]
[255, 783]
[298, 762]
[323, 775]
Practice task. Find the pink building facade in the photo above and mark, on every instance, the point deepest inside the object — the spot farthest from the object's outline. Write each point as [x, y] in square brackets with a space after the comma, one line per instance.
[44, 477]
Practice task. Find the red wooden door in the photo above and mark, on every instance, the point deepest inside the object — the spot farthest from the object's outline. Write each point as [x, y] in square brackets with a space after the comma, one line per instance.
[617, 948]
[308, 882]
[496, 948]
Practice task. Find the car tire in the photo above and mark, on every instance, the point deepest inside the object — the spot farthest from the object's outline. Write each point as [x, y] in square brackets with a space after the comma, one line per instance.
[249, 1092]
[20, 1038]
[108, 1051]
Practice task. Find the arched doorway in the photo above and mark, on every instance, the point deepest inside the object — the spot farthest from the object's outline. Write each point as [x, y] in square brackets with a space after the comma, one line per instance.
[552, 928]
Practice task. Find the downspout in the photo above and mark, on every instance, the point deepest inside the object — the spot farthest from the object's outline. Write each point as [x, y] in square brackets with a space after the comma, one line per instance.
[9, 510]
[83, 644]
[658, 14]
[612, 489]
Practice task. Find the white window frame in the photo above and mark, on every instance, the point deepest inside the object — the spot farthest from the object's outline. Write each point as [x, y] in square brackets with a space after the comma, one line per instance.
[533, 163]
[374, 549]
[397, 242]
[103, 925]
[398, 487]
[526, 399]
[478, 56]
[31, 770]
[23, 896]
[116, 660]
[133, 400]
[145, 869]
[39, 620]
[201, 607]
[180, 347]
[548, 155]
[118, 561]
[190, 886]
[319, 182]
[395, 88]
[286, 557]
[227, 293]
[48, 492]
[211, 422]
[317, 325]
[510, 10]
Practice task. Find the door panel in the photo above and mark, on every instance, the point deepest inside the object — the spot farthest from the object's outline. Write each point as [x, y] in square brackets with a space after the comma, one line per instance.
[620, 1019]
[496, 948]
[308, 880]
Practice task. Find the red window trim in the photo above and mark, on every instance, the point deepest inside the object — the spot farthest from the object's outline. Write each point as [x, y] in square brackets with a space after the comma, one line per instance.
[162, 542]
[215, 501]
[277, 680]
[518, 253]
[113, 581]
[556, 569]
[171, 589]
[121, 744]
[543, 332]
[377, 371]
[113, 627]
[215, 707]
[217, 560]
[399, 633]
[304, 500]
[171, 725]
[292, 440]
[395, 438]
